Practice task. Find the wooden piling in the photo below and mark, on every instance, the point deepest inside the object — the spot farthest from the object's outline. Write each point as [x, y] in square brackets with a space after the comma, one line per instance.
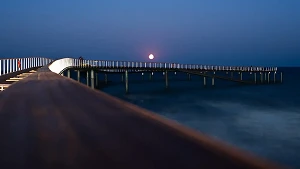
[87, 78]
[241, 75]
[78, 75]
[213, 80]
[92, 79]
[105, 78]
[166, 78]
[126, 81]
[68, 73]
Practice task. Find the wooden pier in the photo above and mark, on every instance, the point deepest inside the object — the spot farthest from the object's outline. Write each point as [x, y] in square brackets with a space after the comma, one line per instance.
[92, 68]
[65, 124]
[51, 121]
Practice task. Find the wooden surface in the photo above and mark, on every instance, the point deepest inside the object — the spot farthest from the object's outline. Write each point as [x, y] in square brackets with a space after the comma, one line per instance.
[49, 121]
[4, 77]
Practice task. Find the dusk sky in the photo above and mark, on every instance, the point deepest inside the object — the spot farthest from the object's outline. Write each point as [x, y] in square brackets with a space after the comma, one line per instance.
[221, 32]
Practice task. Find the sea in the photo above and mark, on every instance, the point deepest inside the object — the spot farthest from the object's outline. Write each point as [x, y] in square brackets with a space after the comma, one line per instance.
[261, 119]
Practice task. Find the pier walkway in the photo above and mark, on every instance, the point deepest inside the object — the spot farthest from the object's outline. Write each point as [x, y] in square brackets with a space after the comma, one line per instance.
[51, 121]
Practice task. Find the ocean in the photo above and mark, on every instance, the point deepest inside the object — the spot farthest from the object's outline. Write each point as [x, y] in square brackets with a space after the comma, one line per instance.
[262, 119]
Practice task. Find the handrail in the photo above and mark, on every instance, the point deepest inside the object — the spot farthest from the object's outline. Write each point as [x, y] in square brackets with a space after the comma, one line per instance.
[17, 64]
[61, 64]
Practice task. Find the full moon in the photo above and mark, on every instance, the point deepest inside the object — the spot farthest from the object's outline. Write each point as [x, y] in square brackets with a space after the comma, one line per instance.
[151, 56]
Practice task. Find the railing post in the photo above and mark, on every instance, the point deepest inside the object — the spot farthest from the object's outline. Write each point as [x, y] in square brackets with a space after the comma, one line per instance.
[16, 68]
[7, 66]
[10, 65]
[13, 65]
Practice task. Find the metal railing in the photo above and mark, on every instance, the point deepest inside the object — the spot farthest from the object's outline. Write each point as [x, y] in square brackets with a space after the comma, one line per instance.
[16, 64]
[61, 64]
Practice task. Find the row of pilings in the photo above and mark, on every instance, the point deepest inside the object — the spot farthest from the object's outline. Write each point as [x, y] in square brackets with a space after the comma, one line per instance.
[93, 82]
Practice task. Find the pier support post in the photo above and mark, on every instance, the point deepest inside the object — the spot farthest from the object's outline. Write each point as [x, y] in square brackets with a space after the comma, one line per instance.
[255, 78]
[265, 76]
[105, 78]
[78, 75]
[204, 81]
[241, 75]
[189, 76]
[87, 78]
[166, 78]
[231, 75]
[150, 76]
[92, 79]
[122, 78]
[281, 78]
[126, 81]
[274, 77]
[269, 77]
[213, 80]
[68, 73]
[143, 76]
[261, 77]
[96, 78]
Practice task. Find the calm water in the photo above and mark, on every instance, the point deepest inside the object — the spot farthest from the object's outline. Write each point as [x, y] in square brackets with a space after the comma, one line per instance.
[263, 119]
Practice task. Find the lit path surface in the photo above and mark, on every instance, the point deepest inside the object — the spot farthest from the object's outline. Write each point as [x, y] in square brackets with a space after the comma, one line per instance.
[50, 121]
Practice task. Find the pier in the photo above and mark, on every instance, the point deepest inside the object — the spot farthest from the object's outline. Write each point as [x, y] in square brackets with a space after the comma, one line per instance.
[52, 121]
[93, 67]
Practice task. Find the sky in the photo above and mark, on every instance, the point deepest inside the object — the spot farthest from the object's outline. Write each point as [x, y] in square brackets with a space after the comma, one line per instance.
[216, 32]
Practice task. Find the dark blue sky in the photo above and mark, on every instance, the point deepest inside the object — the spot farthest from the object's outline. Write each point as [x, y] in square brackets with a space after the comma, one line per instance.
[226, 32]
